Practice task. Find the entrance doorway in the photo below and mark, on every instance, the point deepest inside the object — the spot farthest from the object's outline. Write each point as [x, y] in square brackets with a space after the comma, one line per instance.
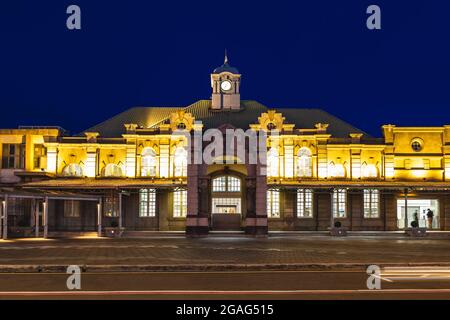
[418, 208]
[226, 203]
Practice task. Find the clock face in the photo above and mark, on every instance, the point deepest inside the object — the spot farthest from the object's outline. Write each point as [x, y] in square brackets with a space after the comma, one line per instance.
[225, 85]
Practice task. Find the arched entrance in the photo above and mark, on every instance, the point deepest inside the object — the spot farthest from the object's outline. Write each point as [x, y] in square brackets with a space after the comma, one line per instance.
[227, 201]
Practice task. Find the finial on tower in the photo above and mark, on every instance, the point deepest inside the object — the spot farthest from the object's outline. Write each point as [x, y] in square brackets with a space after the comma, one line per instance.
[226, 57]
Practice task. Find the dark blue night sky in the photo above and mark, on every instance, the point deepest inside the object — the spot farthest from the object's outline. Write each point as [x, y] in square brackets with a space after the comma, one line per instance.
[311, 54]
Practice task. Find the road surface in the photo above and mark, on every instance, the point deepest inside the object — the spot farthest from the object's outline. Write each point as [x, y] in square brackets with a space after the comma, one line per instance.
[403, 283]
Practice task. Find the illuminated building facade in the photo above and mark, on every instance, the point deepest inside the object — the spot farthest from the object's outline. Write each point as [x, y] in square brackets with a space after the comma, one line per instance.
[132, 174]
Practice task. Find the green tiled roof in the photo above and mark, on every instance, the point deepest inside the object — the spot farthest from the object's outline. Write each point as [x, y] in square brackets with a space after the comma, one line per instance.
[151, 117]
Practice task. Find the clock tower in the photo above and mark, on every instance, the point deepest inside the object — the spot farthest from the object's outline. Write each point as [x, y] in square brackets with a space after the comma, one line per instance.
[225, 83]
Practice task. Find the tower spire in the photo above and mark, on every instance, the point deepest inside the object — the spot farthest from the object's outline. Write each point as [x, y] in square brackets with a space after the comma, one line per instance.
[226, 57]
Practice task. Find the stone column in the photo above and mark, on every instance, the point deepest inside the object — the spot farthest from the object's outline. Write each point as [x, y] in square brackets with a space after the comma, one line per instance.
[257, 224]
[197, 223]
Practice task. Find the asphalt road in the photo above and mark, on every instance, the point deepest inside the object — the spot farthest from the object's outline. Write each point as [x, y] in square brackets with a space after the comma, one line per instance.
[397, 284]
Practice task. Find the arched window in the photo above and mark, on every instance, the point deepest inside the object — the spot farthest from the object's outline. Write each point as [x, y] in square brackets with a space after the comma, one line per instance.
[272, 162]
[180, 162]
[369, 171]
[304, 163]
[112, 170]
[148, 162]
[337, 170]
[226, 184]
[73, 170]
[226, 191]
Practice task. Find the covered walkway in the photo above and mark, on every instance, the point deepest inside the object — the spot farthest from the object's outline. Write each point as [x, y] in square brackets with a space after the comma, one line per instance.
[39, 207]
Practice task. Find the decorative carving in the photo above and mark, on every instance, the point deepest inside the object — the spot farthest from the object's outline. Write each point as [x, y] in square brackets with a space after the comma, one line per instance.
[271, 120]
[321, 126]
[181, 120]
[91, 137]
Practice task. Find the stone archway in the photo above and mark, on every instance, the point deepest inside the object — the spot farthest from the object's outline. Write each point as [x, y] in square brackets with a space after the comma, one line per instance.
[227, 201]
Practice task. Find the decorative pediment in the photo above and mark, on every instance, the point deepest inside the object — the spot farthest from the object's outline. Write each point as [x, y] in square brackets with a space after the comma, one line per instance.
[181, 120]
[271, 120]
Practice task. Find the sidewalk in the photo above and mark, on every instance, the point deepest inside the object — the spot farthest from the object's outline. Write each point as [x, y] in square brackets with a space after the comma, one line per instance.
[227, 253]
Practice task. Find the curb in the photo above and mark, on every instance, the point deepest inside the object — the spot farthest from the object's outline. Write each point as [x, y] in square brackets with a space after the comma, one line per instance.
[212, 267]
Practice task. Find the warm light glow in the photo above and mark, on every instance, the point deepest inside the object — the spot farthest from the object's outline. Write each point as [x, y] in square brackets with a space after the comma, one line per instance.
[51, 160]
[304, 163]
[73, 170]
[164, 161]
[336, 170]
[288, 161]
[389, 171]
[369, 171]
[33, 239]
[89, 168]
[131, 163]
[148, 163]
[180, 162]
[113, 170]
[419, 173]
[272, 162]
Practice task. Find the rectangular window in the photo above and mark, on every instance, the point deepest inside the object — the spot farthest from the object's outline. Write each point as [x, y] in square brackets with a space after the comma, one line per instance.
[71, 209]
[234, 184]
[273, 203]
[39, 153]
[13, 156]
[180, 204]
[304, 203]
[219, 184]
[371, 203]
[340, 203]
[147, 203]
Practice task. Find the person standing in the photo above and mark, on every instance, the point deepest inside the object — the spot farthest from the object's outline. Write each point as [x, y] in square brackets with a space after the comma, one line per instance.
[416, 217]
[430, 216]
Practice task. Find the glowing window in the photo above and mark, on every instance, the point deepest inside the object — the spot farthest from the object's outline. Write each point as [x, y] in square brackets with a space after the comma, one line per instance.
[73, 170]
[304, 163]
[304, 203]
[148, 162]
[369, 171]
[371, 203]
[226, 205]
[272, 162]
[219, 184]
[233, 184]
[147, 203]
[180, 203]
[337, 170]
[180, 162]
[226, 184]
[340, 203]
[112, 170]
[273, 203]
